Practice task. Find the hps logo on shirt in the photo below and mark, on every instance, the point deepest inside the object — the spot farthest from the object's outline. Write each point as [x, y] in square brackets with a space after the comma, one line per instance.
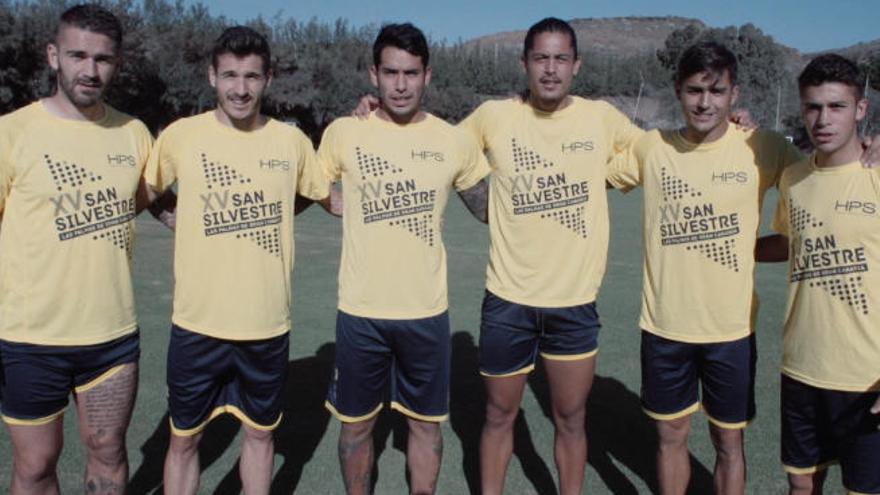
[537, 188]
[687, 219]
[820, 260]
[85, 205]
[397, 201]
[227, 209]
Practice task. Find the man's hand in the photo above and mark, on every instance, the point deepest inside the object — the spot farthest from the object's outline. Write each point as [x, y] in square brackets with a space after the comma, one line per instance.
[870, 152]
[367, 104]
[875, 409]
[743, 119]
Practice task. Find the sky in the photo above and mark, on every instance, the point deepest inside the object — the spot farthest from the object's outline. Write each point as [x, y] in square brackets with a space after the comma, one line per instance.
[807, 25]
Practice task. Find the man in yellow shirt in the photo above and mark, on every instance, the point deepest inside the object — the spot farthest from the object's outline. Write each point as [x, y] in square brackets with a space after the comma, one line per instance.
[548, 223]
[703, 190]
[69, 170]
[237, 173]
[829, 222]
[397, 167]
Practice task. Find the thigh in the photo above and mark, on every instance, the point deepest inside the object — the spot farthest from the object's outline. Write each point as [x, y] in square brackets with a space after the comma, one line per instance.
[806, 445]
[569, 334]
[727, 372]
[669, 378]
[104, 406]
[198, 370]
[420, 379]
[37, 382]
[857, 432]
[261, 372]
[362, 367]
[570, 383]
[509, 337]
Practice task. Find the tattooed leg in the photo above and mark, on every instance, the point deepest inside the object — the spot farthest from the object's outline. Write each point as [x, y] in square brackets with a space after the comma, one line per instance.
[356, 455]
[424, 450]
[36, 449]
[104, 413]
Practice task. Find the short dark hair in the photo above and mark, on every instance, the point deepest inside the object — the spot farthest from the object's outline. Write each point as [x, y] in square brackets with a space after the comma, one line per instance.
[94, 18]
[403, 36]
[549, 25]
[833, 68]
[706, 56]
[242, 41]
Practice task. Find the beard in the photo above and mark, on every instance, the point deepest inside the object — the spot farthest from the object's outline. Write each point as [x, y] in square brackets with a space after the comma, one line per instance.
[80, 99]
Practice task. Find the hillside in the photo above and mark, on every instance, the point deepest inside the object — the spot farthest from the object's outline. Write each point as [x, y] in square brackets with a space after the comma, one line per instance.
[613, 35]
[625, 36]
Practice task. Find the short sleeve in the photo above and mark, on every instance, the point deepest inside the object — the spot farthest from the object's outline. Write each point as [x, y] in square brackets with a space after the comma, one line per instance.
[474, 165]
[7, 168]
[473, 125]
[328, 161]
[311, 181]
[780, 216]
[161, 169]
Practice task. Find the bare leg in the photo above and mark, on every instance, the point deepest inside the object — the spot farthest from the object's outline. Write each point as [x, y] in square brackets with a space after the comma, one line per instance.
[570, 384]
[35, 456]
[356, 455]
[257, 457]
[673, 460]
[182, 465]
[424, 451]
[730, 460]
[104, 414]
[807, 484]
[503, 397]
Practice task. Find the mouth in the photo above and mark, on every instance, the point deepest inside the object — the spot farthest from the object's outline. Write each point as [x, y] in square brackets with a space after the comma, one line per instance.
[823, 137]
[399, 101]
[550, 82]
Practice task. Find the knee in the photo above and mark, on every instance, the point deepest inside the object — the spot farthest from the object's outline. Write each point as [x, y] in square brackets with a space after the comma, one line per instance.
[570, 420]
[673, 434]
[500, 415]
[184, 446]
[254, 436]
[357, 431]
[35, 467]
[107, 447]
[424, 429]
[728, 443]
[801, 484]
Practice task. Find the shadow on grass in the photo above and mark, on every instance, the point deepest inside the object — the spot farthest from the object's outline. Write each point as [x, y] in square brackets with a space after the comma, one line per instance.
[619, 432]
[296, 439]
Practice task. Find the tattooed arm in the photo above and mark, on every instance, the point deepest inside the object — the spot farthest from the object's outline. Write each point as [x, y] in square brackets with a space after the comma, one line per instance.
[477, 200]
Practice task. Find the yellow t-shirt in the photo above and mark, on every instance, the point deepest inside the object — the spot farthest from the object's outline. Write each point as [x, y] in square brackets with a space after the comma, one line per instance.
[233, 251]
[701, 213]
[395, 183]
[548, 211]
[832, 219]
[67, 199]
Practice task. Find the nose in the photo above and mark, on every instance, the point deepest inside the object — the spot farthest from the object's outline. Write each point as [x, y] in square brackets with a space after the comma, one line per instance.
[240, 86]
[550, 66]
[90, 68]
[400, 83]
[704, 100]
[822, 119]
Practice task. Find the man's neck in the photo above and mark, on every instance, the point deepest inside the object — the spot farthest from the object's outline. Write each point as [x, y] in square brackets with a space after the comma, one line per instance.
[847, 153]
[60, 106]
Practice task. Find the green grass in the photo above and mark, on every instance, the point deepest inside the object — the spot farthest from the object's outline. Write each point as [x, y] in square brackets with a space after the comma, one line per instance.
[622, 439]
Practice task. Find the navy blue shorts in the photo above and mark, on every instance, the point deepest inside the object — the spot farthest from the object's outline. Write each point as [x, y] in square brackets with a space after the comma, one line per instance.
[208, 376]
[37, 379]
[414, 354]
[672, 371]
[821, 427]
[512, 335]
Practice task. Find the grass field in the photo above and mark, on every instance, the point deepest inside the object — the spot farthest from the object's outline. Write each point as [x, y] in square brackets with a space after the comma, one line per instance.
[621, 438]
